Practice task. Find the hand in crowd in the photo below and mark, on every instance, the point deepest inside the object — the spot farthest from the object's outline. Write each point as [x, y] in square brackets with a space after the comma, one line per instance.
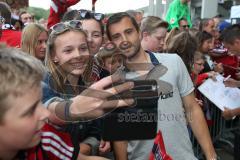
[212, 75]
[237, 74]
[231, 83]
[104, 147]
[227, 113]
[92, 102]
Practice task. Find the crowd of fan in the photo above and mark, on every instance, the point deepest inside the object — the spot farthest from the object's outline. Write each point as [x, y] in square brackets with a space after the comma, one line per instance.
[40, 99]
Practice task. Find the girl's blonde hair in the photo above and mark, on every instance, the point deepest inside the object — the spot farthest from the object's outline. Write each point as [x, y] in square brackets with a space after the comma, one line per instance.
[30, 36]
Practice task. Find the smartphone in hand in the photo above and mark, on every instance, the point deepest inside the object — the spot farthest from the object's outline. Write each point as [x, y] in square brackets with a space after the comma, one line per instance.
[143, 89]
[134, 123]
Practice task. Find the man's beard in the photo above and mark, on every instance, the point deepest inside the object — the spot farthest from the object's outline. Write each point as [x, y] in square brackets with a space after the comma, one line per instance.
[135, 52]
[135, 48]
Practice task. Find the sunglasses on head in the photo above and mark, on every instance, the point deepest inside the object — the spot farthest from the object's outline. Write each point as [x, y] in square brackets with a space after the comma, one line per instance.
[63, 26]
[86, 14]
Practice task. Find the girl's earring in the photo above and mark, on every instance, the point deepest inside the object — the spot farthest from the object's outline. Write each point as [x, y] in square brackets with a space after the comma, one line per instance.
[55, 60]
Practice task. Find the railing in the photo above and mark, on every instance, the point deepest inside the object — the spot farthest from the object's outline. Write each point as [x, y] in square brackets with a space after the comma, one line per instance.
[221, 130]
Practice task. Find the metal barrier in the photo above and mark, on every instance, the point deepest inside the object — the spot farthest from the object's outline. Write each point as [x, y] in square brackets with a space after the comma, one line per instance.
[221, 131]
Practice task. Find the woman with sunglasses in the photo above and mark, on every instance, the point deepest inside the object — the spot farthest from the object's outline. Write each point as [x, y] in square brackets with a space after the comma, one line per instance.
[67, 60]
[91, 21]
[92, 24]
[68, 55]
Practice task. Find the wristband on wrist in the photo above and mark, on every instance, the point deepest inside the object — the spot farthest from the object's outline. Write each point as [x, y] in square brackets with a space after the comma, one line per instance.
[67, 114]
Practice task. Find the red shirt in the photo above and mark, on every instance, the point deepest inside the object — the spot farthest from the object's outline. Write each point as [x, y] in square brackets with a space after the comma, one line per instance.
[198, 79]
[55, 145]
[230, 64]
[11, 37]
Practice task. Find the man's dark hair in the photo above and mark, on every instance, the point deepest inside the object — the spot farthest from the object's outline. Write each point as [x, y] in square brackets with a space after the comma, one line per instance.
[5, 12]
[117, 17]
[182, 19]
[230, 34]
[21, 13]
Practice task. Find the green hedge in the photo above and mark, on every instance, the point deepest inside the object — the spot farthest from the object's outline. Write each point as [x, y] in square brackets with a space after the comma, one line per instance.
[38, 12]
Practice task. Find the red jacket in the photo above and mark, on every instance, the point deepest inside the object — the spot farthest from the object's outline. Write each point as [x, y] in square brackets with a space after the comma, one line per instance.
[11, 37]
[55, 145]
[230, 64]
[198, 79]
[57, 10]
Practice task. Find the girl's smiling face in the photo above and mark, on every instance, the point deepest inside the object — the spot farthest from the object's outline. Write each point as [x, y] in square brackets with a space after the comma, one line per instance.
[71, 52]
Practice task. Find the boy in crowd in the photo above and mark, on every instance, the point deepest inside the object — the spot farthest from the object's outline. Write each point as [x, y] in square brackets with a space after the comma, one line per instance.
[153, 32]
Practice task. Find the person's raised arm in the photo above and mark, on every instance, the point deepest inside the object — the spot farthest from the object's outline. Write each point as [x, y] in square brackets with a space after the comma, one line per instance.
[230, 113]
[91, 103]
[231, 83]
[57, 10]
